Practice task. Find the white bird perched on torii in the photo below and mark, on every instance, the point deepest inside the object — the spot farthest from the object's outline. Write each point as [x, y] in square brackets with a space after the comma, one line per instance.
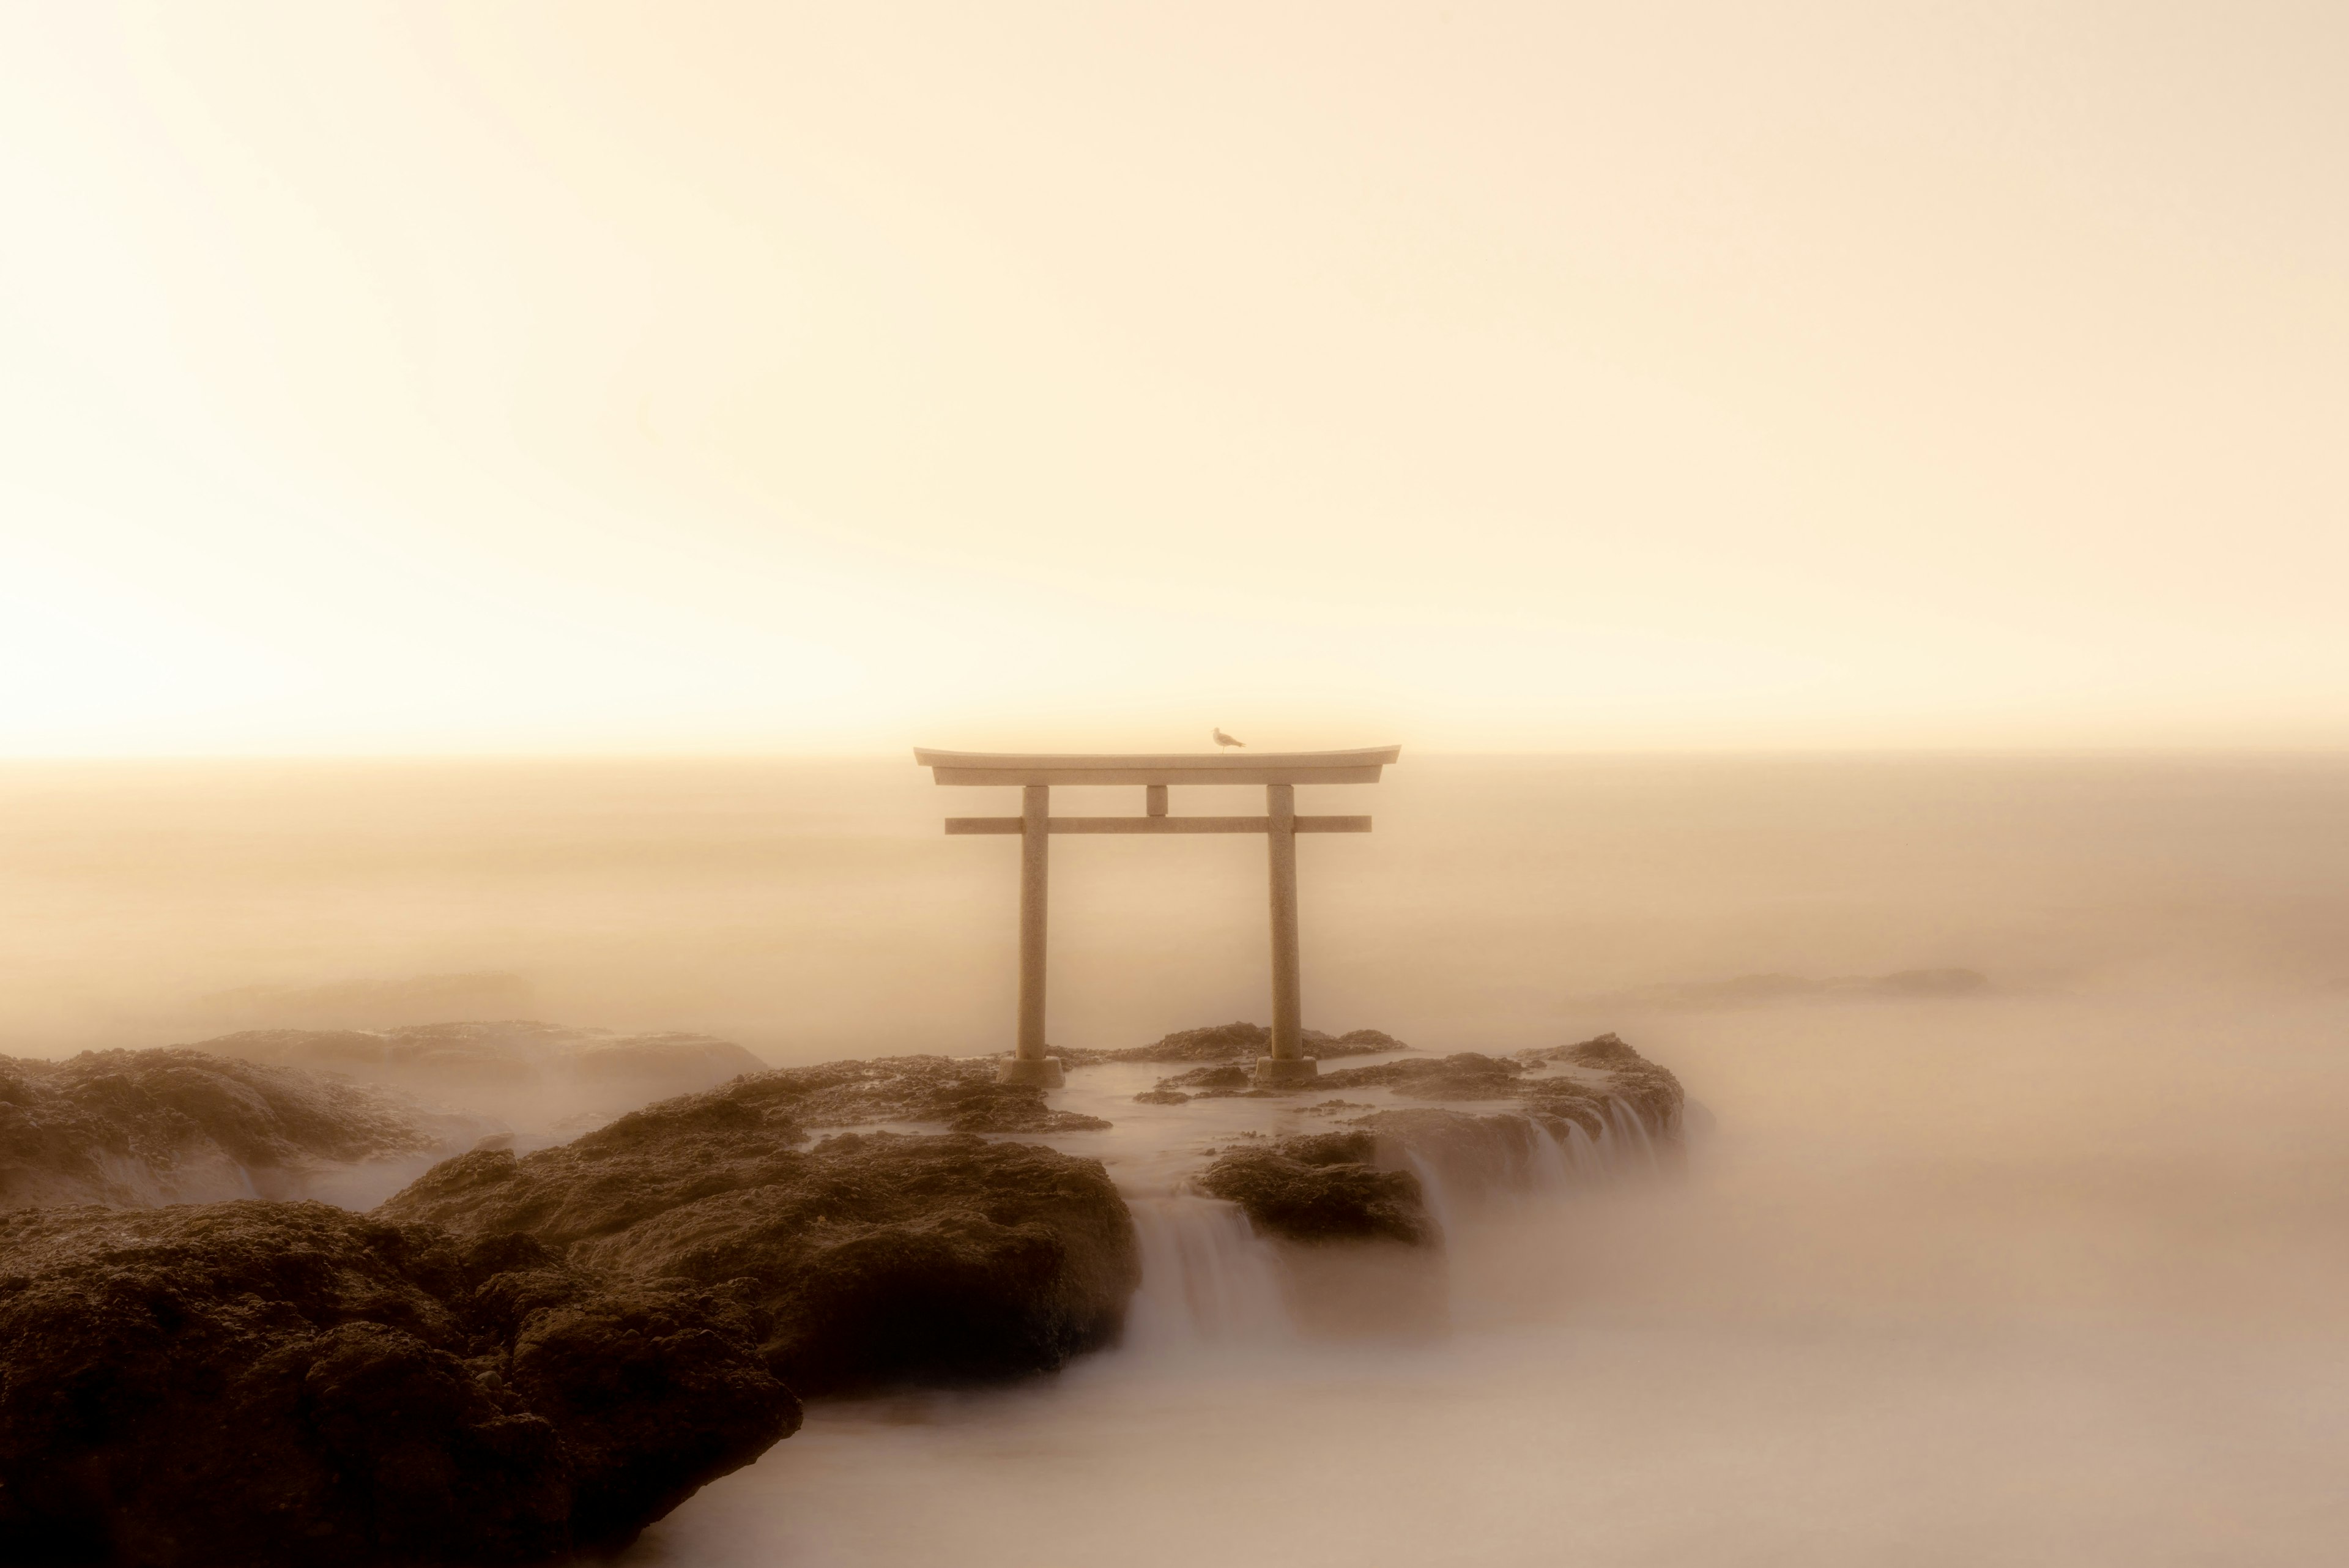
[1223, 739]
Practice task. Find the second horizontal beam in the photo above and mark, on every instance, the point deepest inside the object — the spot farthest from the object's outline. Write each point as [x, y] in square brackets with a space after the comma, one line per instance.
[958, 824]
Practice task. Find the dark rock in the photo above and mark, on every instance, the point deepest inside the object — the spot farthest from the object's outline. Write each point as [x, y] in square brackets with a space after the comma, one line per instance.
[1321, 1187]
[1205, 1083]
[257, 1383]
[1464, 1075]
[1162, 1098]
[1232, 1043]
[1568, 1083]
[1363, 1184]
[960, 1092]
[1598, 1070]
[178, 1125]
[878, 1257]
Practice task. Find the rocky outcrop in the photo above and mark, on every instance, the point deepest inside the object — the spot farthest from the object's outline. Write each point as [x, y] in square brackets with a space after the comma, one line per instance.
[959, 1093]
[1323, 1187]
[257, 1383]
[537, 1074]
[1369, 1182]
[1576, 1082]
[1558, 1082]
[1220, 1081]
[1463, 1075]
[1234, 1042]
[877, 1258]
[179, 1126]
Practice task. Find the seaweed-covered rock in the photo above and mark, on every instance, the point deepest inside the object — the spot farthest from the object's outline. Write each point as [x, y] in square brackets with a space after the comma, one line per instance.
[1598, 1070]
[877, 1258]
[1321, 1187]
[179, 1126]
[959, 1092]
[1238, 1042]
[1365, 1183]
[259, 1383]
[1463, 1075]
[1212, 1081]
[1571, 1083]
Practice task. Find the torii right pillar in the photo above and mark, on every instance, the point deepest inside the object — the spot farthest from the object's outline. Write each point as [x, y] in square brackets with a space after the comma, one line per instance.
[1287, 1063]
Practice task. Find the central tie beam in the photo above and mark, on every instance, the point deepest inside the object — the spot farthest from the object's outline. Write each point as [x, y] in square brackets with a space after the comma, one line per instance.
[1030, 1062]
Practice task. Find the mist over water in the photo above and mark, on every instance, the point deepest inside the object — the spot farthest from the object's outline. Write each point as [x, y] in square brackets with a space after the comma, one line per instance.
[813, 909]
[2047, 1273]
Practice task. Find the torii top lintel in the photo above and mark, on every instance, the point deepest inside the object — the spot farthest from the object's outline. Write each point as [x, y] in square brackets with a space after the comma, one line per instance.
[1357, 766]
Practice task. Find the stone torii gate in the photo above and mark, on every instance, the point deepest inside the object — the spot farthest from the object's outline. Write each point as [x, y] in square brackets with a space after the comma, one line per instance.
[1279, 773]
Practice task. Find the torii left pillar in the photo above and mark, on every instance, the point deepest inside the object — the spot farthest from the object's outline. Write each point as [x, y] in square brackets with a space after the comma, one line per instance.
[1287, 1062]
[1029, 1064]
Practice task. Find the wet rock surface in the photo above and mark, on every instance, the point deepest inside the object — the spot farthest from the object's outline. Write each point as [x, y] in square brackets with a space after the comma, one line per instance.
[259, 1383]
[1238, 1042]
[180, 1125]
[1561, 1083]
[1321, 1187]
[1364, 1183]
[877, 1258]
[1463, 1075]
[1575, 1082]
[1200, 1082]
[959, 1093]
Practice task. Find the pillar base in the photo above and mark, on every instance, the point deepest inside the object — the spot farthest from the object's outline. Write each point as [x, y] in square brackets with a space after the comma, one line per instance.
[1039, 1072]
[1286, 1072]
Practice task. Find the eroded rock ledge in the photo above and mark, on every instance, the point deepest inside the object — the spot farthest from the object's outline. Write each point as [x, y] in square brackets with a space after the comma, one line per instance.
[877, 1258]
[1361, 1184]
[959, 1093]
[287, 1383]
[1239, 1042]
[1322, 1187]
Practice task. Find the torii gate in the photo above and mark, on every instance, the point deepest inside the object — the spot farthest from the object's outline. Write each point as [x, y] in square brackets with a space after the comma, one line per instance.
[1279, 773]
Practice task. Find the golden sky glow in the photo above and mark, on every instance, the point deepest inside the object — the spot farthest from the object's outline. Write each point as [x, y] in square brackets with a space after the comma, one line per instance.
[771, 377]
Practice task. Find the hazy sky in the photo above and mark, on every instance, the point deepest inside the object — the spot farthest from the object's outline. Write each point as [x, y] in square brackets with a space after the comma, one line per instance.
[777, 377]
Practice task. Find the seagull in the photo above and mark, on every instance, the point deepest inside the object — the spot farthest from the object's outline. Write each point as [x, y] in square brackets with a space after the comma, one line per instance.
[1223, 739]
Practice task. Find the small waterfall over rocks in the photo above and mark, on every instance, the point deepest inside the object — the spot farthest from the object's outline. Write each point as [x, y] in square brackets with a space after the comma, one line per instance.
[1465, 1160]
[1209, 1278]
[1206, 1276]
